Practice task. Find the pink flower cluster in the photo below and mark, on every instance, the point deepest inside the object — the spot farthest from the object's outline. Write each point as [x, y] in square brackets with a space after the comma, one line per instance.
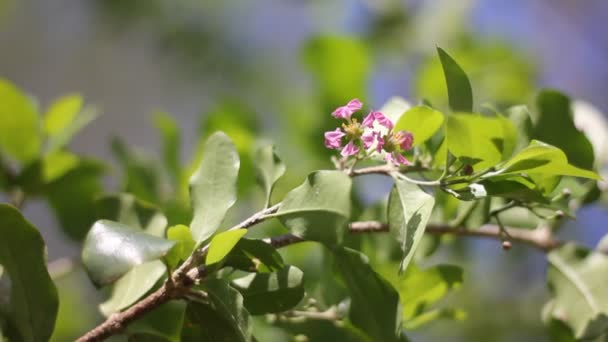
[362, 136]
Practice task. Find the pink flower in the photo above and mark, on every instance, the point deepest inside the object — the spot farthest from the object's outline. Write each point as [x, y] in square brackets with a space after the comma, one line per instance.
[349, 150]
[396, 158]
[404, 139]
[383, 120]
[381, 143]
[368, 139]
[333, 139]
[368, 121]
[347, 110]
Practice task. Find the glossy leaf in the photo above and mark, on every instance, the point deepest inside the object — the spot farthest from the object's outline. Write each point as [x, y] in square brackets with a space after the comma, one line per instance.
[422, 121]
[127, 209]
[166, 321]
[127, 290]
[374, 306]
[213, 186]
[222, 244]
[223, 318]
[555, 126]
[29, 305]
[111, 249]
[577, 279]
[271, 292]
[20, 136]
[409, 210]
[269, 168]
[184, 244]
[460, 94]
[541, 158]
[318, 209]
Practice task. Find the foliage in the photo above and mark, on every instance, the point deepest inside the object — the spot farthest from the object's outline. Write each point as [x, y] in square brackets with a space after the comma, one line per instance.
[174, 267]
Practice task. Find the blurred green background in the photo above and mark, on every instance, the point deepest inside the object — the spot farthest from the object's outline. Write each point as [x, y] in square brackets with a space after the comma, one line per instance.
[275, 69]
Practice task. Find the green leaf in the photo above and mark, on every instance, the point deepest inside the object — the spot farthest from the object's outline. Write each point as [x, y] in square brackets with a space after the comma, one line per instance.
[514, 187]
[111, 249]
[374, 306]
[542, 158]
[72, 197]
[555, 126]
[339, 79]
[127, 209]
[419, 289]
[271, 292]
[269, 168]
[576, 278]
[61, 113]
[170, 135]
[318, 209]
[184, 244]
[255, 255]
[476, 137]
[409, 210]
[223, 318]
[460, 94]
[395, 107]
[60, 140]
[166, 321]
[132, 286]
[222, 244]
[521, 121]
[20, 136]
[57, 164]
[142, 175]
[433, 315]
[213, 186]
[421, 121]
[28, 300]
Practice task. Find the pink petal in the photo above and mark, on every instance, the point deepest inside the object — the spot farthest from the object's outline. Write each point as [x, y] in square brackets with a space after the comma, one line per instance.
[406, 140]
[333, 139]
[345, 112]
[349, 149]
[368, 121]
[383, 120]
[380, 143]
[396, 159]
[368, 139]
[354, 105]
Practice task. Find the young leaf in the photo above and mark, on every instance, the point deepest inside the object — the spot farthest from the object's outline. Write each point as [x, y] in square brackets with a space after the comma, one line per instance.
[30, 302]
[421, 121]
[111, 249]
[541, 158]
[374, 306]
[555, 126]
[576, 278]
[271, 292]
[318, 209]
[165, 322]
[223, 318]
[20, 136]
[409, 210]
[184, 244]
[64, 119]
[269, 168]
[433, 315]
[460, 94]
[132, 286]
[222, 244]
[250, 255]
[213, 186]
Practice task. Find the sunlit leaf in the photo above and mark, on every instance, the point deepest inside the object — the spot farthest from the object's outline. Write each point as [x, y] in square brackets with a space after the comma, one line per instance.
[20, 136]
[213, 186]
[222, 244]
[271, 292]
[184, 244]
[318, 209]
[29, 303]
[64, 119]
[57, 164]
[111, 249]
[421, 121]
[409, 210]
[433, 315]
